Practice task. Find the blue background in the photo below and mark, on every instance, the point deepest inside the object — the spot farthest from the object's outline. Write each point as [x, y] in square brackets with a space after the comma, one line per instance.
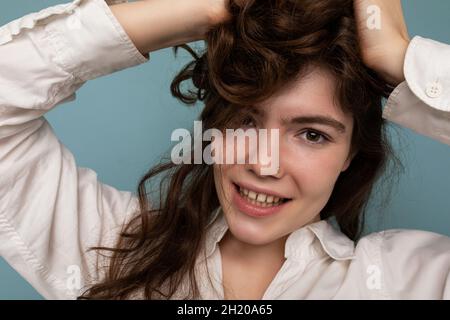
[120, 125]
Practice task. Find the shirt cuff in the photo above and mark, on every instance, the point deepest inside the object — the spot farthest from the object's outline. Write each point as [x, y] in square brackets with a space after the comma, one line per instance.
[89, 42]
[427, 72]
[405, 109]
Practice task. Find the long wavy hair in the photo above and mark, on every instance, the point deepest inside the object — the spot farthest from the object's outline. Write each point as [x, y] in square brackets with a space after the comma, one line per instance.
[264, 46]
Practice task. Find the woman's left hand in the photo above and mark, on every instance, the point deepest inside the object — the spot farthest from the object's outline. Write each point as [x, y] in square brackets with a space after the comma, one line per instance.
[383, 37]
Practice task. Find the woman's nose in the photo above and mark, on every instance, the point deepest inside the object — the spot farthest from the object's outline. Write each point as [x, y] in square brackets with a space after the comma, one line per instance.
[264, 159]
[258, 170]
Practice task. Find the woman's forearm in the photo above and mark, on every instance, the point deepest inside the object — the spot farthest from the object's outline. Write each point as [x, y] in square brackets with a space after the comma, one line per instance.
[157, 24]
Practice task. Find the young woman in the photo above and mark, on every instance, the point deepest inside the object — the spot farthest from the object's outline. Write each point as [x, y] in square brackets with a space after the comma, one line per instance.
[313, 69]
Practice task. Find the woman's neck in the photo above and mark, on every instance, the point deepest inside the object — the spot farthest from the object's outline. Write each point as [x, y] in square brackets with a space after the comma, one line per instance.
[249, 269]
[253, 254]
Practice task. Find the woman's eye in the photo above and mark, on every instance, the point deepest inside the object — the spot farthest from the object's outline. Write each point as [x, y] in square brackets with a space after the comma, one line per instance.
[314, 137]
[248, 122]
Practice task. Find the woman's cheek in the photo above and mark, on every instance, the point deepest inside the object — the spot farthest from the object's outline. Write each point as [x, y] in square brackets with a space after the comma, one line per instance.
[220, 172]
[316, 172]
[222, 175]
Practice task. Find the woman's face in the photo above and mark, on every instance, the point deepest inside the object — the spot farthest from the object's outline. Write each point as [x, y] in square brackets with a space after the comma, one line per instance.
[311, 157]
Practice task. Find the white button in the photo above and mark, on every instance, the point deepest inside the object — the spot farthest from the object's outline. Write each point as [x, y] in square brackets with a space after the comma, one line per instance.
[434, 89]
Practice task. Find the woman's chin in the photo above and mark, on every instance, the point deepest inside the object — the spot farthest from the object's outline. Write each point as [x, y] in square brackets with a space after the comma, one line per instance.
[250, 232]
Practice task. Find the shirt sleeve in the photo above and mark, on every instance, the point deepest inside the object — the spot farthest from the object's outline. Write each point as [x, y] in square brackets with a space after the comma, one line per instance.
[51, 210]
[404, 265]
[422, 102]
[415, 264]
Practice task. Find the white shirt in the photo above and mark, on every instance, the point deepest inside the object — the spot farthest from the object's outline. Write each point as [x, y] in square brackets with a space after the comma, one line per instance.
[52, 211]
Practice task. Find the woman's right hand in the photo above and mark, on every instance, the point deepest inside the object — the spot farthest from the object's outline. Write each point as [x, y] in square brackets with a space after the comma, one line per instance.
[218, 11]
[383, 48]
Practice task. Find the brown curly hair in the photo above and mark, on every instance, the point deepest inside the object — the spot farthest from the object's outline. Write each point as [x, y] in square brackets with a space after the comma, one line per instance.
[262, 48]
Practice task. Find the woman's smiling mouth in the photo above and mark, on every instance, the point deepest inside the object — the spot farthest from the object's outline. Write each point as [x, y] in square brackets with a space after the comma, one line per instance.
[257, 204]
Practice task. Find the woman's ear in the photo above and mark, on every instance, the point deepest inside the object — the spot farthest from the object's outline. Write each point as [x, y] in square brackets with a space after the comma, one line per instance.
[348, 161]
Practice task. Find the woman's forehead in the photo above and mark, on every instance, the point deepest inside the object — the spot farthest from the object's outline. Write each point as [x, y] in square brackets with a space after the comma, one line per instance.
[313, 94]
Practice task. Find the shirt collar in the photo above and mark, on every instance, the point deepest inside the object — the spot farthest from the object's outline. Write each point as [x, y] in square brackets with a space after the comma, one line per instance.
[299, 243]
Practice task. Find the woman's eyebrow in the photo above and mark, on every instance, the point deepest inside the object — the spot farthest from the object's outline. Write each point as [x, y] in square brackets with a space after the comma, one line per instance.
[328, 121]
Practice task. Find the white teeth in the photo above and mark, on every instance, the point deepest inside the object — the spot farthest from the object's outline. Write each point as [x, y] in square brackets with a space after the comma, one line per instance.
[252, 195]
[260, 199]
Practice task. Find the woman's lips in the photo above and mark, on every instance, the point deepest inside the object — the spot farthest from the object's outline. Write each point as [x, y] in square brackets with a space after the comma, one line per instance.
[245, 206]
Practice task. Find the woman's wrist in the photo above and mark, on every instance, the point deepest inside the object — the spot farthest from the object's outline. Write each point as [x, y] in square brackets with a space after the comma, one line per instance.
[393, 71]
[398, 74]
